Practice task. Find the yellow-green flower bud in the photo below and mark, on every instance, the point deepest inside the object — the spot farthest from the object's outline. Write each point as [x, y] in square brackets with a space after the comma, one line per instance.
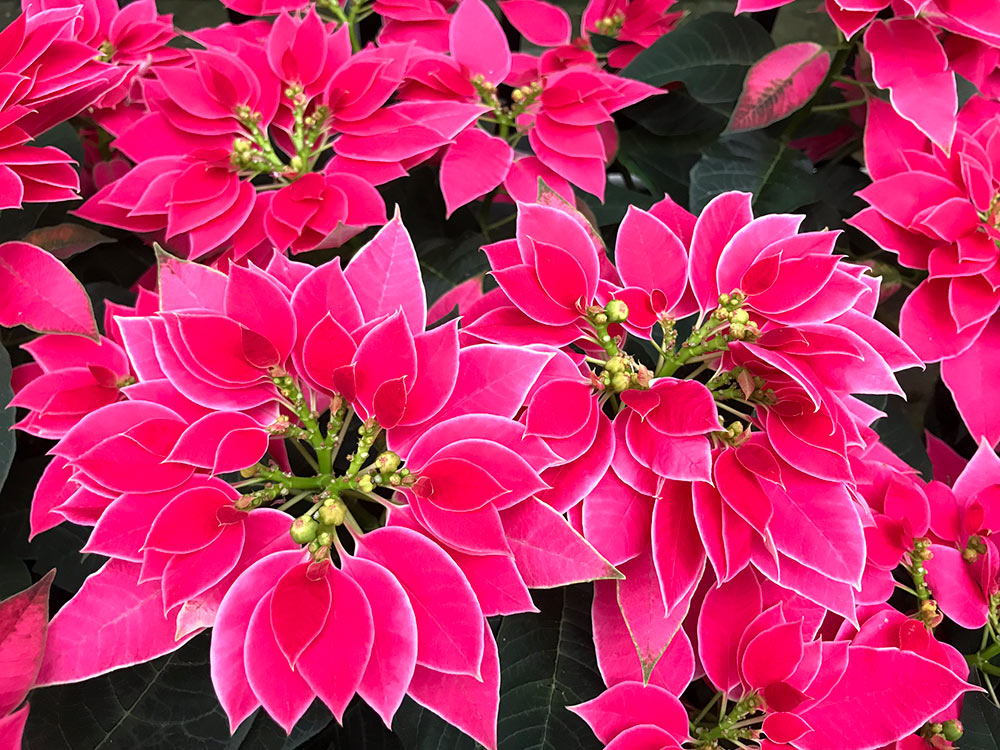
[304, 530]
[333, 514]
[387, 462]
[615, 365]
[952, 730]
[616, 310]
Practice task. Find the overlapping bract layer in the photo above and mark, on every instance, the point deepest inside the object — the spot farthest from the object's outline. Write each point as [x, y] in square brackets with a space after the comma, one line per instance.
[692, 511]
[204, 378]
[948, 226]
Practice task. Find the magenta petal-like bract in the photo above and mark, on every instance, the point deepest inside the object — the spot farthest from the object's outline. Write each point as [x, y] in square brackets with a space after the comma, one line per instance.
[895, 690]
[469, 703]
[394, 647]
[113, 621]
[447, 612]
[229, 675]
[385, 276]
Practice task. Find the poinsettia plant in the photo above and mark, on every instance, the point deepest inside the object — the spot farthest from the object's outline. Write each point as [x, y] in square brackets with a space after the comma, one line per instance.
[519, 374]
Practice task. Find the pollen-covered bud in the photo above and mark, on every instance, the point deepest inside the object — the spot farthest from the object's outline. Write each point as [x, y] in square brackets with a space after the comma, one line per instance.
[304, 530]
[517, 96]
[615, 365]
[737, 330]
[333, 512]
[620, 381]
[387, 462]
[741, 316]
[970, 555]
[616, 310]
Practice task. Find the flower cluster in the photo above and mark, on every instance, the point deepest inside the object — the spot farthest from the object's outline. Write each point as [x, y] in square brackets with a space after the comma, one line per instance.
[741, 475]
[342, 484]
[735, 471]
[220, 373]
[948, 223]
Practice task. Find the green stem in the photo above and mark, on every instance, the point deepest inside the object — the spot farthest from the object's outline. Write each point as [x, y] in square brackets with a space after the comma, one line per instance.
[294, 500]
[309, 459]
[365, 441]
[849, 104]
[704, 712]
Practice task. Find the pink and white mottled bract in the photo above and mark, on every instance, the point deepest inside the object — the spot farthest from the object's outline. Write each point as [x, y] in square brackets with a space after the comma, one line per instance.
[206, 379]
[949, 226]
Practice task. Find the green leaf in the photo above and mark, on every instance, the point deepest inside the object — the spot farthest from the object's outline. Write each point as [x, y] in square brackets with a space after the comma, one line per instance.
[966, 89]
[67, 239]
[617, 199]
[980, 719]
[260, 732]
[603, 44]
[166, 703]
[710, 55]
[647, 157]
[446, 262]
[547, 662]
[7, 440]
[781, 178]
[14, 575]
[901, 437]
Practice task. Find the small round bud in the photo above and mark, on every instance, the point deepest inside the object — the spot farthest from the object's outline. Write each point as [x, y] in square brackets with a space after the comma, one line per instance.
[970, 555]
[297, 163]
[616, 310]
[250, 471]
[304, 530]
[517, 96]
[324, 539]
[387, 462]
[620, 381]
[952, 730]
[601, 318]
[741, 316]
[723, 299]
[615, 365]
[365, 484]
[737, 330]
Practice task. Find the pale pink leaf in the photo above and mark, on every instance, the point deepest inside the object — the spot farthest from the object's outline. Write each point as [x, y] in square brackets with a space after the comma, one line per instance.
[778, 84]
[24, 618]
[40, 293]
